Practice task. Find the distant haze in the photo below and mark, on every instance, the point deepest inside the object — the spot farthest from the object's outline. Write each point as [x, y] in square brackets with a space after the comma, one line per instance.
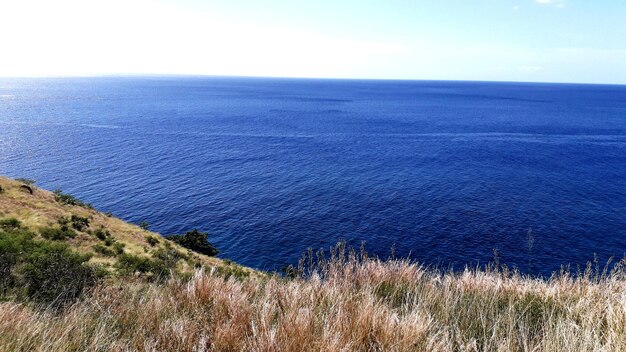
[507, 40]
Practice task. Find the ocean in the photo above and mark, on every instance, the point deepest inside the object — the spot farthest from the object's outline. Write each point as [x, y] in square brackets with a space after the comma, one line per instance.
[443, 173]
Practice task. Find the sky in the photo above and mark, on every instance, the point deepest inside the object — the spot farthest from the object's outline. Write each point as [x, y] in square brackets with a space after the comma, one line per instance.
[580, 41]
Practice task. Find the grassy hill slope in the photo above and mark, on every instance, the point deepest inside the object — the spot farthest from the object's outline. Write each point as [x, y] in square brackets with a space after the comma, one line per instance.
[44, 210]
[342, 301]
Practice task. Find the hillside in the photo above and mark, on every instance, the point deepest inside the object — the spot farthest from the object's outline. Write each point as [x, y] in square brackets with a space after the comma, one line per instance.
[44, 210]
[341, 300]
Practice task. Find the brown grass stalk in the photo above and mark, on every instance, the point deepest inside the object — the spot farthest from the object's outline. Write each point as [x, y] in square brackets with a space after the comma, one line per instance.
[346, 303]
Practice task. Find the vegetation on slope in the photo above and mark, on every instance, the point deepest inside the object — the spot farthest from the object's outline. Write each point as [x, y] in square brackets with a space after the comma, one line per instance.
[349, 302]
[54, 242]
[343, 301]
[42, 271]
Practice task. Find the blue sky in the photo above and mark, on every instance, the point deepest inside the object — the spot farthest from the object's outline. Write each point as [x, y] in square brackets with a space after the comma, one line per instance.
[506, 40]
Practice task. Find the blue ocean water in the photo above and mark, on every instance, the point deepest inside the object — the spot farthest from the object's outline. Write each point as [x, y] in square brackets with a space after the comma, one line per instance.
[443, 172]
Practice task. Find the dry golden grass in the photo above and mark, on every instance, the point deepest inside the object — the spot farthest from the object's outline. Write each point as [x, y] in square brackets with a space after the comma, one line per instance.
[344, 304]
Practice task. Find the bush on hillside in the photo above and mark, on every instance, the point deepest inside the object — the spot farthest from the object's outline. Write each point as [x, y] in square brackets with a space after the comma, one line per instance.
[13, 244]
[118, 247]
[54, 275]
[152, 241]
[102, 233]
[128, 264]
[79, 223]
[144, 225]
[105, 236]
[103, 250]
[76, 222]
[10, 224]
[65, 198]
[26, 181]
[68, 199]
[169, 256]
[160, 266]
[196, 241]
[56, 233]
[45, 272]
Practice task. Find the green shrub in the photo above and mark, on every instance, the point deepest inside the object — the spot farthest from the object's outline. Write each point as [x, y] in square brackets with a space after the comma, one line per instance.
[63, 221]
[26, 181]
[160, 266]
[118, 247]
[169, 256]
[13, 244]
[54, 275]
[57, 234]
[128, 264]
[10, 224]
[105, 236]
[196, 241]
[103, 250]
[102, 234]
[63, 198]
[144, 225]
[79, 223]
[45, 272]
[68, 199]
[152, 241]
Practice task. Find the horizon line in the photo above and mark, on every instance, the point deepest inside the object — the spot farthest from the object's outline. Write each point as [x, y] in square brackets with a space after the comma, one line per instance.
[193, 75]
